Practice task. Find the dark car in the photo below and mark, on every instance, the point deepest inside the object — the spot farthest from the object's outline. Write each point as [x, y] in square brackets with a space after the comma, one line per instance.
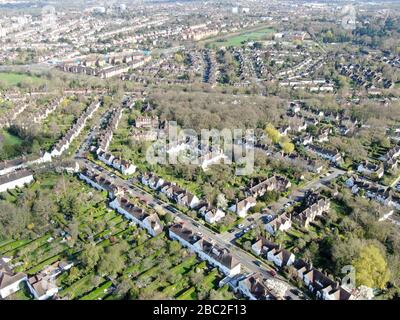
[257, 263]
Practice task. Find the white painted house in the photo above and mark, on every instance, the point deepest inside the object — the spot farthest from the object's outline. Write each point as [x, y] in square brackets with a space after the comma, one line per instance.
[15, 179]
[9, 281]
[241, 207]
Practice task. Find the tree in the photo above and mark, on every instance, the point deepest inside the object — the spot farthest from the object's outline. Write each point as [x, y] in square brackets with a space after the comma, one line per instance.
[221, 201]
[287, 147]
[272, 133]
[371, 268]
[168, 218]
[90, 255]
[112, 262]
[215, 295]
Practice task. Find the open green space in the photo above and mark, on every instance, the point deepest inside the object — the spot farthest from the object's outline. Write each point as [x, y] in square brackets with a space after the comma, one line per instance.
[237, 39]
[15, 79]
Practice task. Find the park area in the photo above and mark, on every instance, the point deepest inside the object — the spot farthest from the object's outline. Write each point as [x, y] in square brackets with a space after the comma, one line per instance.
[238, 39]
[10, 79]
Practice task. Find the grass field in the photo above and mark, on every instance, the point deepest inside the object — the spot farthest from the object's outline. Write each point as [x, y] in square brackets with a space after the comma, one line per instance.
[13, 79]
[237, 39]
[8, 139]
[10, 145]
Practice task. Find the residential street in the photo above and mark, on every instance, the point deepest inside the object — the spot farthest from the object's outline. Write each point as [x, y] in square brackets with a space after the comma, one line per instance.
[249, 263]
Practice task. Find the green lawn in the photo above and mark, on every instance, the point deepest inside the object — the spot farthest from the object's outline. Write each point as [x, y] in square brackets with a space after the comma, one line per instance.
[9, 139]
[13, 79]
[98, 293]
[237, 39]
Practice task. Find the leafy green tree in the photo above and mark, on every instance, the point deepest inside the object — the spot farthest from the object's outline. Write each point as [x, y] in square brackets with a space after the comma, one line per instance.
[371, 268]
[91, 255]
[272, 133]
[287, 147]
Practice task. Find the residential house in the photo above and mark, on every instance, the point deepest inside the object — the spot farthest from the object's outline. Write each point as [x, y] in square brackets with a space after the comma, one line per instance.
[125, 167]
[241, 207]
[314, 205]
[100, 183]
[9, 281]
[205, 249]
[152, 181]
[273, 252]
[211, 214]
[9, 166]
[254, 288]
[392, 154]
[330, 155]
[16, 179]
[149, 222]
[43, 285]
[371, 170]
[281, 222]
[319, 283]
[275, 183]
[147, 122]
[180, 195]
[323, 135]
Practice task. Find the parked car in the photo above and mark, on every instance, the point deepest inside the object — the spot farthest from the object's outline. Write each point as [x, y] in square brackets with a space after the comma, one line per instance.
[272, 273]
[240, 226]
